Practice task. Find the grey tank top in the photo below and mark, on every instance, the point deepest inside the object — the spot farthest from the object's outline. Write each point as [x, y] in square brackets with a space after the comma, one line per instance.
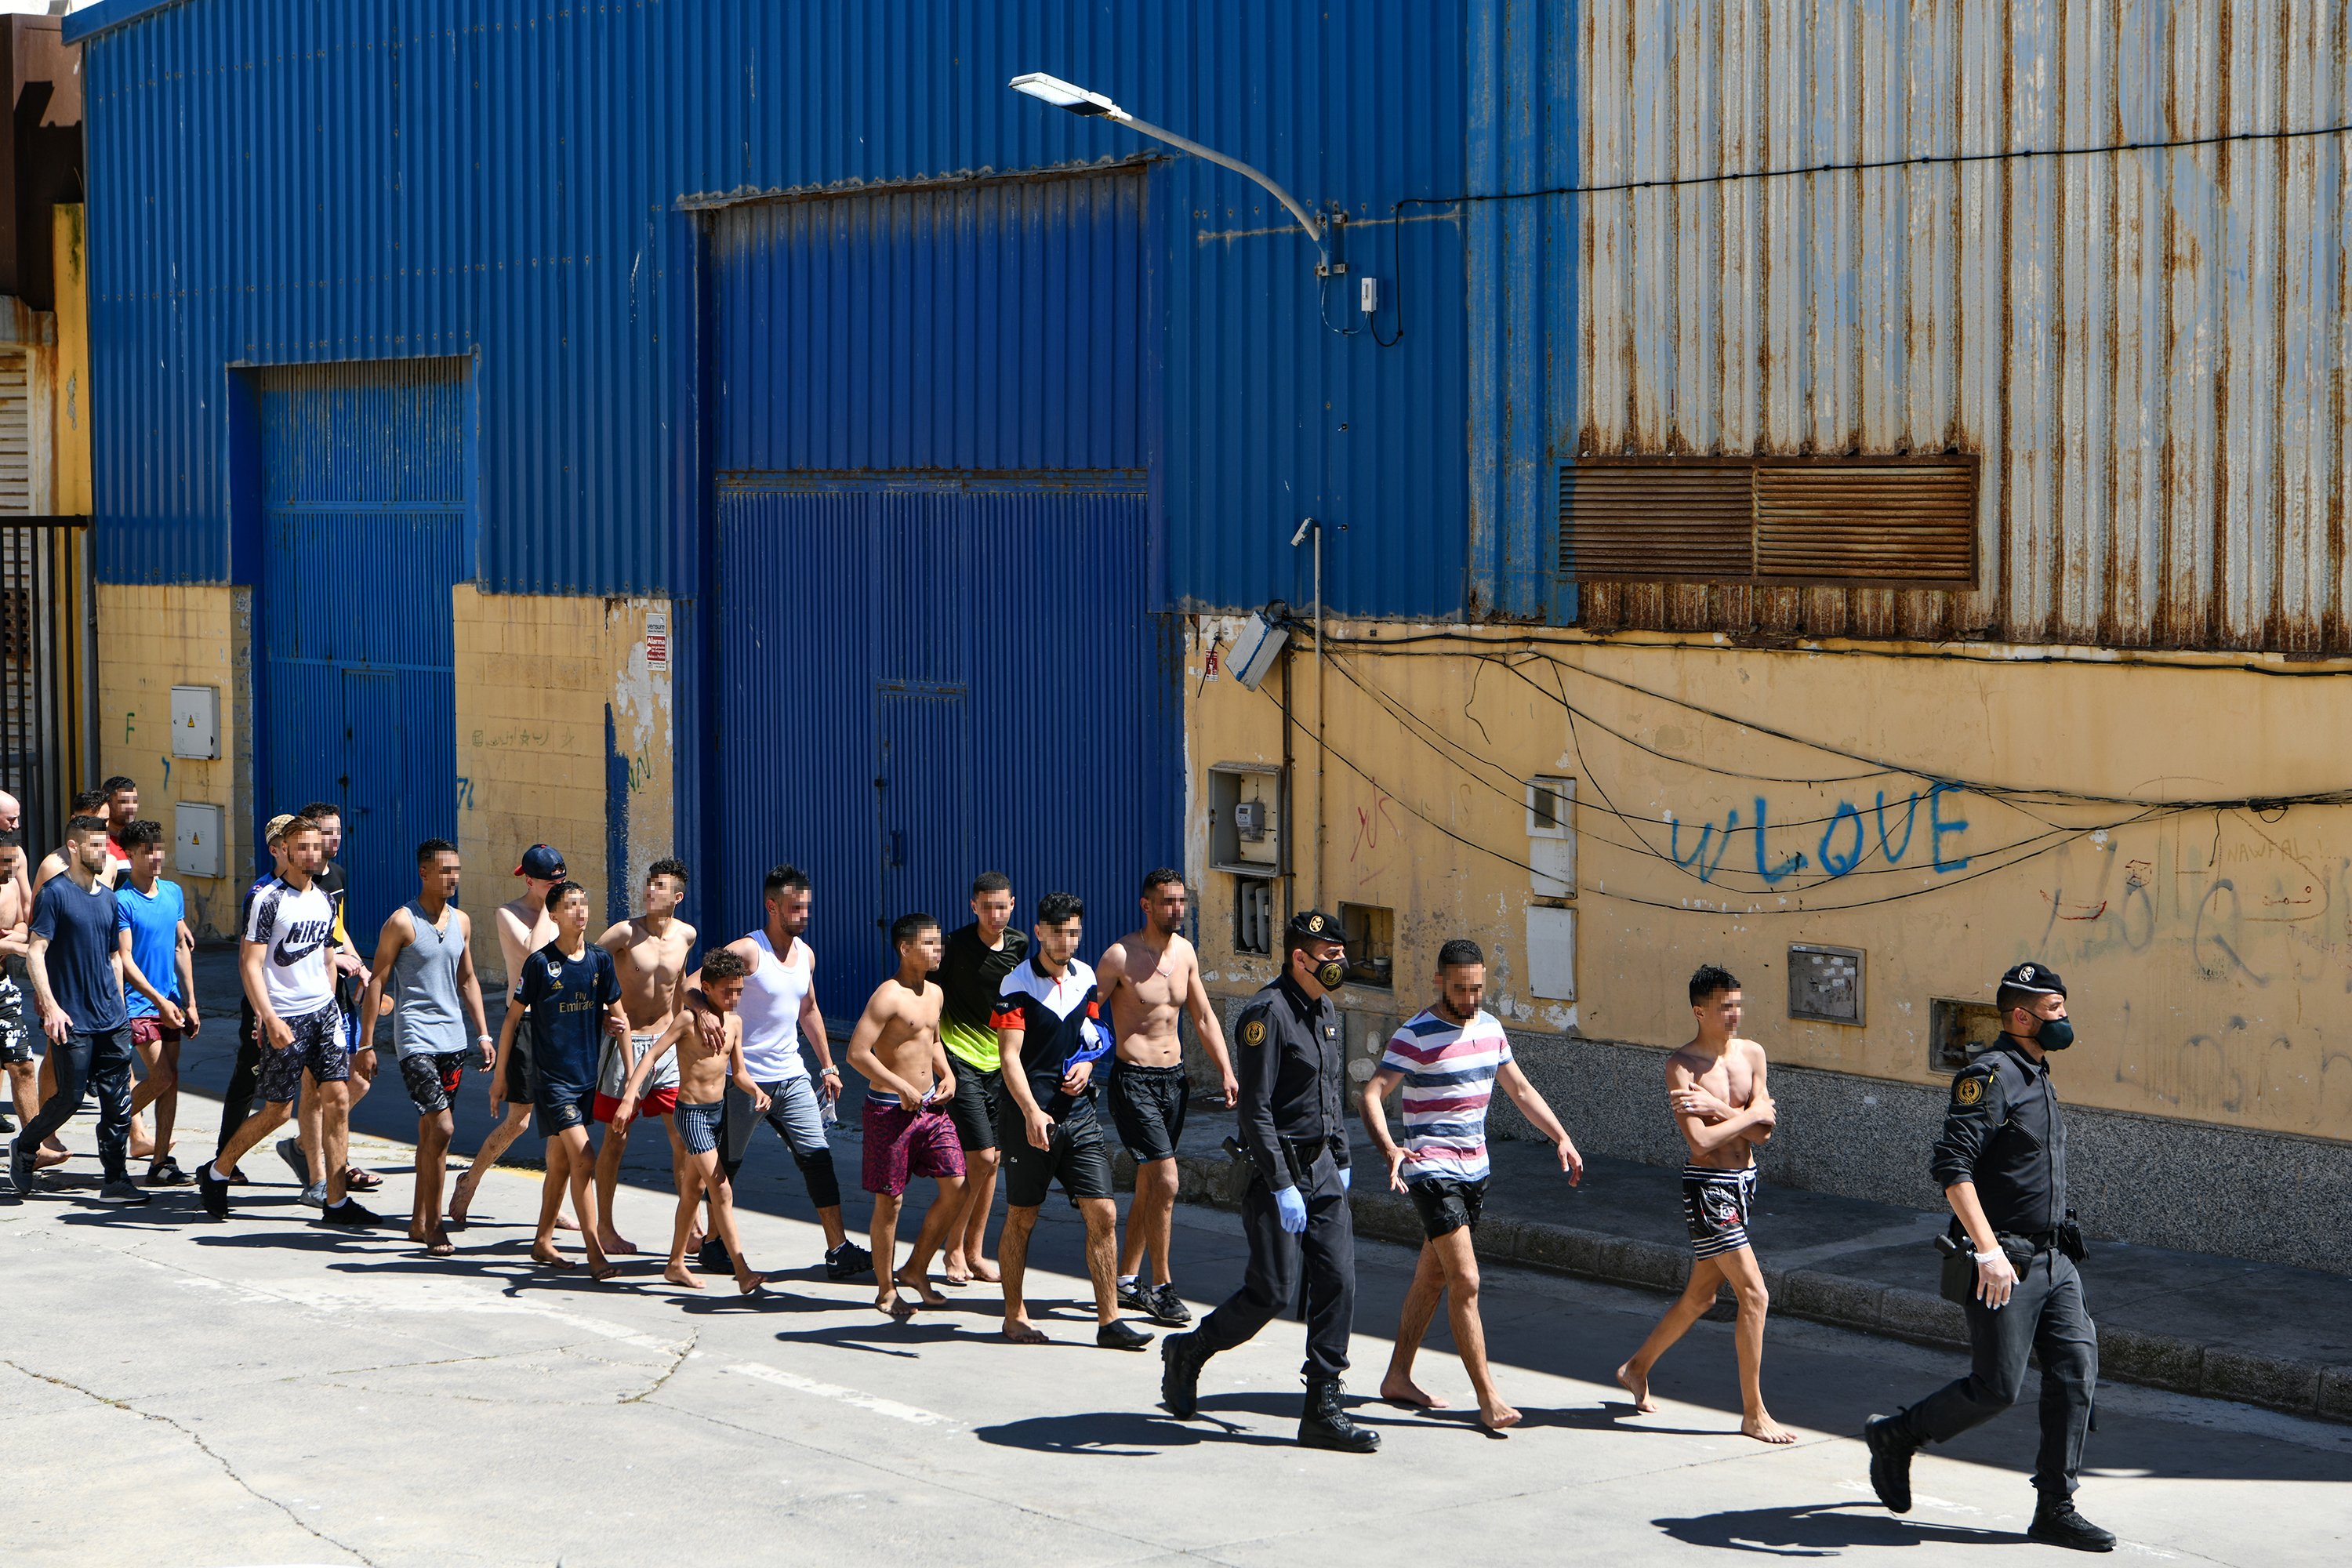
[424, 1017]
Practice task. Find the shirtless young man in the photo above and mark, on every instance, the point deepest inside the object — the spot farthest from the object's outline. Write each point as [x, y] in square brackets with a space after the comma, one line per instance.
[703, 1074]
[1149, 977]
[1715, 1086]
[650, 952]
[896, 1047]
[17, 1041]
[524, 926]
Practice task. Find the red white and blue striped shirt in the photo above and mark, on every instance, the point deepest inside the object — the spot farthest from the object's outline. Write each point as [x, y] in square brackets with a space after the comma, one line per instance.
[1449, 1075]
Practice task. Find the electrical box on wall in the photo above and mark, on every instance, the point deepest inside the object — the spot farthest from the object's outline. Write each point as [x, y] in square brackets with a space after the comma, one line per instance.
[195, 840]
[195, 721]
[1247, 831]
[1825, 984]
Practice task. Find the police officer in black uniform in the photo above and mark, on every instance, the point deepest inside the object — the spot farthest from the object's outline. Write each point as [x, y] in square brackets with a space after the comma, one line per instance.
[2001, 1161]
[1292, 1065]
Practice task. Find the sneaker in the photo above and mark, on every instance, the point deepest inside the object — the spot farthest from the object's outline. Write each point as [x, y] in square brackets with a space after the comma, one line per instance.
[166, 1172]
[122, 1192]
[20, 1165]
[1121, 1335]
[849, 1261]
[349, 1215]
[2056, 1523]
[1167, 1307]
[713, 1255]
[313, 1196]
[212, 1192]
[1134, 1296]
[290, 1151]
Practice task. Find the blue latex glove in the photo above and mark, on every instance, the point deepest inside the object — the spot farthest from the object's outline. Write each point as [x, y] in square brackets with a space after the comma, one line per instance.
[1347, 1174]
[1291, 1208]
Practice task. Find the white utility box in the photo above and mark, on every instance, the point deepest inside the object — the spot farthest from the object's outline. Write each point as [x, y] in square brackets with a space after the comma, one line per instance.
[195, 840]
[195, 722]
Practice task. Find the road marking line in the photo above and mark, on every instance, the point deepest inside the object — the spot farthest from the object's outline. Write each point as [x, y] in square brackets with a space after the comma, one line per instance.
[874, 1402]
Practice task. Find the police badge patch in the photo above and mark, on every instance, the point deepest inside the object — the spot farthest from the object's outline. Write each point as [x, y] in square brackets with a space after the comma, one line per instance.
[1253, 1032]
[1968, 1090]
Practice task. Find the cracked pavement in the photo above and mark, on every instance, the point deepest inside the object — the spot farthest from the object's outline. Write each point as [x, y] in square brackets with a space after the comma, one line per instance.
[179, 1393]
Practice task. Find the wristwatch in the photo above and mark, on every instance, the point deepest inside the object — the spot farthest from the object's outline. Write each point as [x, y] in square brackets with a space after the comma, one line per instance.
[829, 1072]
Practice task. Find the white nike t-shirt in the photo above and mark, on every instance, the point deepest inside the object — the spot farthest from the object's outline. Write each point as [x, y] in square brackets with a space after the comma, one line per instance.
[299, 931]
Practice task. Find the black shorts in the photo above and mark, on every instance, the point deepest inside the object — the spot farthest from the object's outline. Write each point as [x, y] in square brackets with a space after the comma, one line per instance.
[1147, 1106]
[1446, 1205]
[514, 1071]
[1075, 1156]
[432, 1077]
[564, 1105]
[973, 1109]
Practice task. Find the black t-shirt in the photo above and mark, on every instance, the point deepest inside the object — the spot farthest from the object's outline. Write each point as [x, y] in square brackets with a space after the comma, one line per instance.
[970, 975]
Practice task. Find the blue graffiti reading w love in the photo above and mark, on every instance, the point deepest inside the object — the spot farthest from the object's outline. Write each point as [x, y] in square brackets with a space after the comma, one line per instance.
[1845, 841]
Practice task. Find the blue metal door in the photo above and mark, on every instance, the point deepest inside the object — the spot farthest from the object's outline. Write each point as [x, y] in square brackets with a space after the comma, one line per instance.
[933, 446]
[366, 483]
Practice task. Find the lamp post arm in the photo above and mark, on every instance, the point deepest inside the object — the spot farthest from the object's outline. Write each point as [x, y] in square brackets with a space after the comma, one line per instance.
[1305, 220]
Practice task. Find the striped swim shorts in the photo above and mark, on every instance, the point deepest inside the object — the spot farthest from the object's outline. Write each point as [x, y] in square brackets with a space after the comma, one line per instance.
[1715, 1208]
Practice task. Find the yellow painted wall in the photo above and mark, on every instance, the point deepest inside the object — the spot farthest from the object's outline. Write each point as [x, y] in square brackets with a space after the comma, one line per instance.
[149, 639]
[2208, 950]
[70, 391]
[535, 675]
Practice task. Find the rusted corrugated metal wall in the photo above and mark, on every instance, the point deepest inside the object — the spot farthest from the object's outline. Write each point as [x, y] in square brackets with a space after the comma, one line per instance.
[2147, 348]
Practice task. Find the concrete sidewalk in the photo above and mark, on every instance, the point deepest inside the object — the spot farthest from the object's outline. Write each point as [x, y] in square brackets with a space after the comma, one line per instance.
[2219, 1327]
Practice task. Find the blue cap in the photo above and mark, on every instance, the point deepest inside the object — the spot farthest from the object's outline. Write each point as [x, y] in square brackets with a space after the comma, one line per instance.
[542, 861]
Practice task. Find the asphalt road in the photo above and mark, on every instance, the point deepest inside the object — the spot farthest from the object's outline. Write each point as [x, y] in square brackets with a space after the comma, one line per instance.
[183, 1394]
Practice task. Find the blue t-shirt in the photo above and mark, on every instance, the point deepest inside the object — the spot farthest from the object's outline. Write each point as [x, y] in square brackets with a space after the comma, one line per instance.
[154, 927]
[79, 929]
[568, 999]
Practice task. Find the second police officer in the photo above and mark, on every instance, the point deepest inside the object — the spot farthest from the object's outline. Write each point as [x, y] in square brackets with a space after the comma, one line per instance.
[1292, 1064]
[2001, 1162]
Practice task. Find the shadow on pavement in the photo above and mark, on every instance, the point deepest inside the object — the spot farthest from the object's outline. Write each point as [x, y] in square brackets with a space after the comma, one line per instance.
[1118, 1434]
[1820, 1529]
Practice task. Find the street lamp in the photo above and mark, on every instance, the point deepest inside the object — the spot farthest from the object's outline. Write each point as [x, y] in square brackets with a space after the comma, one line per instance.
[1069, 95]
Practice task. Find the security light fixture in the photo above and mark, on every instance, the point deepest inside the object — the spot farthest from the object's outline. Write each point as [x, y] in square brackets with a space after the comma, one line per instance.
[1069, 95]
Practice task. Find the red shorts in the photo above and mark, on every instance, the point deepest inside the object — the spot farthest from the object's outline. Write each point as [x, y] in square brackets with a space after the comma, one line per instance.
[653, 1102]
[149, 1031]
[900, 1143]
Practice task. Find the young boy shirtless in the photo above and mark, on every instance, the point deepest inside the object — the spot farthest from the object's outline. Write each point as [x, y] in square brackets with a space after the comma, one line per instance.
[703, 1075]
[1715, 1086]
[649, 953]
[908, 1130]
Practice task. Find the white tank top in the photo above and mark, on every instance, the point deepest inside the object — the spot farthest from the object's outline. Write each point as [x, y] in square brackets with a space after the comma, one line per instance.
[771, 1011]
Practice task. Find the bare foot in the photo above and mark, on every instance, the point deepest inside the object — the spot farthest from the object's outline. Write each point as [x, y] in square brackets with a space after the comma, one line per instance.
[748, 1283]
[565, 1222]
[953, 1271]
[1638, 1386]
[984, 1272]
[920, 1284]
[612, 1241]
[440, 1246]
[1400, 1390]
[550, 1258]
[1764, 1429]
[890, 1304]
[681, 1276]
[694, 1240]
[603, 1269]
[48, 1157]
[1022, 1332]
[1496, 1417]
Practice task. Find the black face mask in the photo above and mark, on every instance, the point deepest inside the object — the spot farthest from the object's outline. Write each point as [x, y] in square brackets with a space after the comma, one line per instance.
[1330, 974]
[2055, 1034]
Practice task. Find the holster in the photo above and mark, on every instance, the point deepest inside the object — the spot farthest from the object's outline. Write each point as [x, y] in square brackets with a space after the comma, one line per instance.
[2070, 1238]
[1957, 1280]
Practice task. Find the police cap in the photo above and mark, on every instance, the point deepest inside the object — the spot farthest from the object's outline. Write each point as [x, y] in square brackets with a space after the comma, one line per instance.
[1312, 925]
[2037, 979]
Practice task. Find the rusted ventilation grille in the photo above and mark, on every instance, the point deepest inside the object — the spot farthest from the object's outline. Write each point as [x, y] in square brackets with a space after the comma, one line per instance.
[1912, 524]
[1658, 521]
[1842, 522]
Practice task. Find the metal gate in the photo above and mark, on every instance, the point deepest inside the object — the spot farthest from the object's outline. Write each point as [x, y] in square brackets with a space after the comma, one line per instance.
[367, 475]
[936, 630]
[43, 712]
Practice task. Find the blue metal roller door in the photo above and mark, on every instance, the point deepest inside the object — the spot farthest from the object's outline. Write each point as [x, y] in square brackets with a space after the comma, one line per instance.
[365, 527]
[937, 633]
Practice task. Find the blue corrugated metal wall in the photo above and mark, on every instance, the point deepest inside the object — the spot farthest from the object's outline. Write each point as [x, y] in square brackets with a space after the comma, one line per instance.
[281, 180]
[366, 490]
[932, 581]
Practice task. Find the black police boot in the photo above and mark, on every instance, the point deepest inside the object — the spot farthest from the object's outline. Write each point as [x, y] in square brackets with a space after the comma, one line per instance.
[1325, 1424]
[1890, 1462]
[2056, 1523]
[1182, 1357]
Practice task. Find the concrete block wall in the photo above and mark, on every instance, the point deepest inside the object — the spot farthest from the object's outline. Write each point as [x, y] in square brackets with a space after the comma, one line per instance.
[565, 737]
[152, 638]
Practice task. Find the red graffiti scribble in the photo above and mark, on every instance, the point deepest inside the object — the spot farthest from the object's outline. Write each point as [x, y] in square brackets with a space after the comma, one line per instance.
[2092, 912]
[1367, 827]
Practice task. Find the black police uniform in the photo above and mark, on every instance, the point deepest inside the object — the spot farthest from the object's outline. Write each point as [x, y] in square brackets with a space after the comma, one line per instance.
[2003, 1132]
[1292, 1065]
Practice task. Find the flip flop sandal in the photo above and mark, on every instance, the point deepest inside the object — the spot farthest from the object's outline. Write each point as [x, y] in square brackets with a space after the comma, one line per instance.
[361, 1180]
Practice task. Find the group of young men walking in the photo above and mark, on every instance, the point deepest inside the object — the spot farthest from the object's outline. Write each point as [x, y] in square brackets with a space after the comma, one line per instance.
[988, 1057]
